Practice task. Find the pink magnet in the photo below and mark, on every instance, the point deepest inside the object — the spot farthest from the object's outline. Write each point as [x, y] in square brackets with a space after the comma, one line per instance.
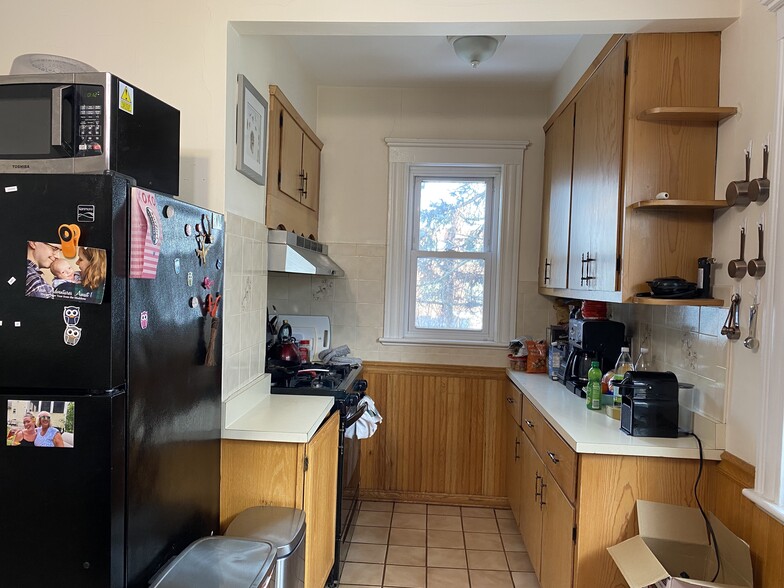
[207, 283]
[143, 319]
[188, 230]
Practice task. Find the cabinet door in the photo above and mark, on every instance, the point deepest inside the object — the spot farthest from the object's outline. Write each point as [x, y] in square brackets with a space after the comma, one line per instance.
[321, 486]
[530, 510]
[291, 135]
[311, 167]
[557, 200]
[557, 537]
[596, 180]
[513, 470]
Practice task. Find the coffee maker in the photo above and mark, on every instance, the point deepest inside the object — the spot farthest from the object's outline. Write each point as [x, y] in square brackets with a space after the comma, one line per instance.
[591, 340]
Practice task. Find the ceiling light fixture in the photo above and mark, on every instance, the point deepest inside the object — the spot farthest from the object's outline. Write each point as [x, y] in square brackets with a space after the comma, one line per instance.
[475, 48]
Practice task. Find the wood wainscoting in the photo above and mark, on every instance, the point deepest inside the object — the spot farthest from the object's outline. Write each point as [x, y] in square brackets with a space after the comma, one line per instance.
[762, 532]
[442, 439]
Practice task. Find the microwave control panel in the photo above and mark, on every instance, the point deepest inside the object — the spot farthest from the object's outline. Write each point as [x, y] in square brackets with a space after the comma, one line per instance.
[89, 125]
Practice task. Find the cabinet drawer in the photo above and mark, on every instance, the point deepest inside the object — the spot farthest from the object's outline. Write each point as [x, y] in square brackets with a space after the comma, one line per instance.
[514, 402]
[561, 461]
[533, 424]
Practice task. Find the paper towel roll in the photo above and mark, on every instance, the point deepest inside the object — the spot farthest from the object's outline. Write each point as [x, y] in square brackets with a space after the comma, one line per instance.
[662, 196]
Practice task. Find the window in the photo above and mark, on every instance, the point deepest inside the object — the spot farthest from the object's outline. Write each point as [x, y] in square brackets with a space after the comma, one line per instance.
[453, 239]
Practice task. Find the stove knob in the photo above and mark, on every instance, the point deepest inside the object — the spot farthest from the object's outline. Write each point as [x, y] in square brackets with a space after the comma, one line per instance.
[360, 385]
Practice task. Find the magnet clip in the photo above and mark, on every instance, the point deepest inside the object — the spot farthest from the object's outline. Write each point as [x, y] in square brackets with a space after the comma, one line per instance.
[69, 239]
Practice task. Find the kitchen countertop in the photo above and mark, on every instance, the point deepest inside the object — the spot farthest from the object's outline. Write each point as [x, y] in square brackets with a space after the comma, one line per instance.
[253, 414]
[588, 431]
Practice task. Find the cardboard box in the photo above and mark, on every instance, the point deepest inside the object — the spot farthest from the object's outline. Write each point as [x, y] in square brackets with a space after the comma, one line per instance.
[674, 539]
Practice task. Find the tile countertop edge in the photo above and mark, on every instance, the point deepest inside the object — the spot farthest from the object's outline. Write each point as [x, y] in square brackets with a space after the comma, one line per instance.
[253, 414]
[593, 432]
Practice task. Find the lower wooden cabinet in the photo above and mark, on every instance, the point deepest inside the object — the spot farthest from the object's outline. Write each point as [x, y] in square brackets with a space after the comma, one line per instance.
[298, 475]
[514, 469]
[558, 536]
[531, 525]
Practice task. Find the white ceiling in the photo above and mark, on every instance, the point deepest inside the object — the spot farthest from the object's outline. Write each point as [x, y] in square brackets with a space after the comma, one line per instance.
[409, 61]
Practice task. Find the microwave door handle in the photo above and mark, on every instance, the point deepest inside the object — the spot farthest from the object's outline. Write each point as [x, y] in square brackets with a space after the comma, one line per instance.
[58, 96]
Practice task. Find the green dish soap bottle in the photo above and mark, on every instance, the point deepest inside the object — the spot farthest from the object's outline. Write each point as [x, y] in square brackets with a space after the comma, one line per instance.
[593, 391]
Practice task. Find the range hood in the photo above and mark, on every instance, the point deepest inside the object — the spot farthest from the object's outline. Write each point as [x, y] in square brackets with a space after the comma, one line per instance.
[294, 254]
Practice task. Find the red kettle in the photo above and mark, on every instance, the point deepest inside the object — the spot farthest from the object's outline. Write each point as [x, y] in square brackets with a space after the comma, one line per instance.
[285, 348]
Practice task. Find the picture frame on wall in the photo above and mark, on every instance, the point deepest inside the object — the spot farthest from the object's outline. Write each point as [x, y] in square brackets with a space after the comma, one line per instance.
[251, 136]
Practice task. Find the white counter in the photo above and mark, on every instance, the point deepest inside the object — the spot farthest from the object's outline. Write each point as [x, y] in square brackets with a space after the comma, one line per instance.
[589, 431]
[253, 414]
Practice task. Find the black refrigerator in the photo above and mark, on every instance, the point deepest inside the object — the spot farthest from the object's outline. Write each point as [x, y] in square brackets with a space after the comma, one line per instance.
[122, 350]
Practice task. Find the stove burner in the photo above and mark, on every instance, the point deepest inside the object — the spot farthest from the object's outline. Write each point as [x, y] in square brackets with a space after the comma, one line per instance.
[316, 379]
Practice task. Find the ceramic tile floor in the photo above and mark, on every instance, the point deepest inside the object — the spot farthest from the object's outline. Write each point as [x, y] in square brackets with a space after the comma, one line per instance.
[408, 545]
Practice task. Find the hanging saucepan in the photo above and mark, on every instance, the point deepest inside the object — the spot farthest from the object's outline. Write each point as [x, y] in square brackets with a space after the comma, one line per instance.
[736, 268]
[738, 190]
[759, 189]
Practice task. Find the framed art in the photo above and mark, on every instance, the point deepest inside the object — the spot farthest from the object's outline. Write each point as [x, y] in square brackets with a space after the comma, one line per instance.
[251, 131]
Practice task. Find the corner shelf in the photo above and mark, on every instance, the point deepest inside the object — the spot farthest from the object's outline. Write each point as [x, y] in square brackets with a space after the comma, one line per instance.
[679, 205]
[677, 301]
[687, 113]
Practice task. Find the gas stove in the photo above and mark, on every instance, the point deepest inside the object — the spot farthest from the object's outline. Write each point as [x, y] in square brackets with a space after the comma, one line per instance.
[319, 379]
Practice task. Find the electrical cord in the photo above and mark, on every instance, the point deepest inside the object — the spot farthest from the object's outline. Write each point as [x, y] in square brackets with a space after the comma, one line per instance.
[708, 526]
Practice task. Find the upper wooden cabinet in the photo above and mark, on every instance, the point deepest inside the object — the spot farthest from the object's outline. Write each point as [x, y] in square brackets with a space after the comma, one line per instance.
[644, 121]
[294, 169]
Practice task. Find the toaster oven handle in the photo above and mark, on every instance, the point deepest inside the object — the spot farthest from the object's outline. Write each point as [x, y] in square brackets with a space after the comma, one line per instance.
[685, 385]
[58, 97]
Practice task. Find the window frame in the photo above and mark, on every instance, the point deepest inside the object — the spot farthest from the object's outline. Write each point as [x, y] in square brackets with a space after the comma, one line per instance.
[436, 156]
[492, 176]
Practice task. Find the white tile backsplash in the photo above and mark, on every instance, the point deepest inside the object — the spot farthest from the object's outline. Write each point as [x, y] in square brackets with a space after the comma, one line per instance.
[687, 341]
[244, 302]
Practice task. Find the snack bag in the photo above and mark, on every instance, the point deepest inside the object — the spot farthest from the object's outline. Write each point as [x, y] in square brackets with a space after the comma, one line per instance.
[537, 357]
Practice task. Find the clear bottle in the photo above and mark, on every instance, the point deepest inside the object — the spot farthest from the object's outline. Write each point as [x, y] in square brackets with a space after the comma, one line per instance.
[642, 365]
[623, 365]
[593, 391]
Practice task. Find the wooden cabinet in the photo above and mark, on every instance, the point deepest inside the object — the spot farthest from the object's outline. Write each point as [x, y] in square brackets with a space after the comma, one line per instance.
[645, 121]
[547, 521]
[299, 475]
[514, 469]
[557, 201]
[294, 169]
[596, 177]
[574, 506]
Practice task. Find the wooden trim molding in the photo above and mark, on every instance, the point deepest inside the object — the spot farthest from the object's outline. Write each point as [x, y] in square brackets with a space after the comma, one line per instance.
[430, 369]
[606, 50]
[436, 498]
[736, 469]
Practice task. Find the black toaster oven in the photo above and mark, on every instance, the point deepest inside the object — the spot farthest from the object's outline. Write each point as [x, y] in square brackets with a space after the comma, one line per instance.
[649, 404]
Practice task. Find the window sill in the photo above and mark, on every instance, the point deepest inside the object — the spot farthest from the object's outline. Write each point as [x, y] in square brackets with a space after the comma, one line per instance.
[771, 508]
[443, 343]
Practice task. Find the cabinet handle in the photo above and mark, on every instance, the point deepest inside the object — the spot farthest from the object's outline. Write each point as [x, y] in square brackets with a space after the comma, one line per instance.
[301, 176]
[541, 494]
[537, 490]
[553, 457]
[517, 444]
[588, 260]
[582, 269]
[305, 186]
[529, 423]
[547, 265]
[509, 400]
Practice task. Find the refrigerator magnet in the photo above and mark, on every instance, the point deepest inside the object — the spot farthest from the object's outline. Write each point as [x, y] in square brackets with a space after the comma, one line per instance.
[176, 265]
[193, 302]
[219, 263]
[71, 315]
[188, 230]
[11, 281]
[190, 278]
[146, 235]
[207, 283]
[143, 319]
[72, 336]
[168, 211]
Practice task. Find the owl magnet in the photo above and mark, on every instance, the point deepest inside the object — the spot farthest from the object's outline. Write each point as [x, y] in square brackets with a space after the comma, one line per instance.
[72, 336]
[71, 315]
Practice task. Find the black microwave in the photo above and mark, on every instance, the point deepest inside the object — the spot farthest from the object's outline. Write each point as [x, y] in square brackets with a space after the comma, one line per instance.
[88, 123]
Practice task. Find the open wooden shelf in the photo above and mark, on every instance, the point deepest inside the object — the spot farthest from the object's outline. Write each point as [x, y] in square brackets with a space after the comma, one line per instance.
[677, 301]
[675, 205]
[687, 113]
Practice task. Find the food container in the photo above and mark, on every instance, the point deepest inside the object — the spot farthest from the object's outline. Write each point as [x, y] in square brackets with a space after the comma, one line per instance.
[517, 363]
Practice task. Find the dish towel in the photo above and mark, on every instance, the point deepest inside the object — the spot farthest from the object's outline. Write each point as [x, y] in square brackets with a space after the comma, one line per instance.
[339, 355]
[367, 424]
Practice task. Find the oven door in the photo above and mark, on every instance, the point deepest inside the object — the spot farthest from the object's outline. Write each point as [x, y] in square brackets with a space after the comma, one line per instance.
[349, 490]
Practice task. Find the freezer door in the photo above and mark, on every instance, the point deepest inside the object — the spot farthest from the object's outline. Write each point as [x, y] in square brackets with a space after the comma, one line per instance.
[61, 508]
[175, 399]
[62, 313]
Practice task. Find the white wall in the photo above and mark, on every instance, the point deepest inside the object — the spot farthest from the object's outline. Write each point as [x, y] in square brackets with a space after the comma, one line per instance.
[748, 80]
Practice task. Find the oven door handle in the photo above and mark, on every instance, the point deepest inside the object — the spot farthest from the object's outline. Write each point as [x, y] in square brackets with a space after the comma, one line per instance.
[356, 416]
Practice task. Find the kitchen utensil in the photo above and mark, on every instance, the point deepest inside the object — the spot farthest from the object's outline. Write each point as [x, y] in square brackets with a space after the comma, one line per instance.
[285, 348]
[757, 265]
[731, 328]
[738, 191]
[751, 341]
[737, 267]
[759, 188]
[672, 287]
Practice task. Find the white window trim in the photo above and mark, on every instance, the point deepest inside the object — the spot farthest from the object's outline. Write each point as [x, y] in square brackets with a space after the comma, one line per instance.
[405, 153]
[768, 492]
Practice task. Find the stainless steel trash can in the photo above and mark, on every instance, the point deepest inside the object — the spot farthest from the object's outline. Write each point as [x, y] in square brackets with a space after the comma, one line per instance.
[285, 529]
[220, 562]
